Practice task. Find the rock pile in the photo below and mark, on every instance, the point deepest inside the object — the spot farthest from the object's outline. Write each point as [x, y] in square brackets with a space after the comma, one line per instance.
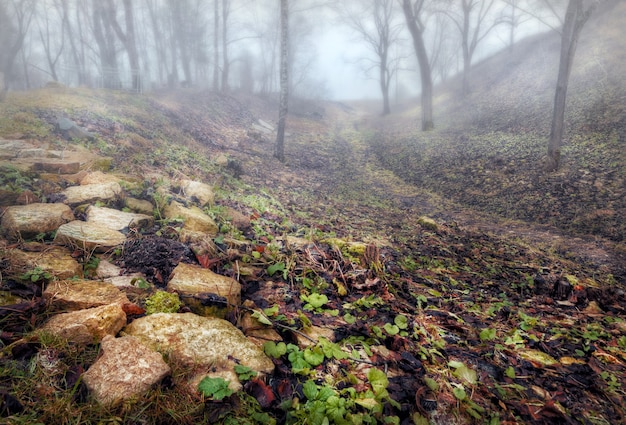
[83, 225]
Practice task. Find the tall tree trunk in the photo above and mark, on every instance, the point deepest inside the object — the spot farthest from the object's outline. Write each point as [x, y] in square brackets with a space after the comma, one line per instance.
[225, 60]
[424, 65]
[384, 85]
[284, 80]
[131, 46]
[575, 18]
[216, 44]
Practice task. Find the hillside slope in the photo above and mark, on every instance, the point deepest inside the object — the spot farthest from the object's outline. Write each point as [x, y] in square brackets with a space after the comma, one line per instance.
[487, 151]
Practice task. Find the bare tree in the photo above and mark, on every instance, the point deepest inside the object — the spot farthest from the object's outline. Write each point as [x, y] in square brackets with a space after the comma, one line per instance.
[16, 21]
[375, 24]
[471, 19]
[413, 12]
[284, 80]
[105, 38]
[576, 16]
[49, 39]
[127, 38]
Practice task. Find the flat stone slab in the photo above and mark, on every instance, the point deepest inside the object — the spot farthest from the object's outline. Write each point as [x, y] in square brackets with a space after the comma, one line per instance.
[197, 224]
[57, 166]
[27, 221]
[199, 343]
[90, 193]
[126, 369]
[87, 326]
[75, 295]
[88, 236]
[54, 260]
[116, 219]
[191, 280]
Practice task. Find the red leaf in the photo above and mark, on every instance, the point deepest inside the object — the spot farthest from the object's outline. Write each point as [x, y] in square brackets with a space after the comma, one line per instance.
[261, 391]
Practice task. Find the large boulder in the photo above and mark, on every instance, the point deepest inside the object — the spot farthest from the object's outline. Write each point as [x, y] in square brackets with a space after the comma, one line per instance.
[88, 236]
[87, 326]
[72, 295]
[199, 344]
[127, 368]
[27, 221]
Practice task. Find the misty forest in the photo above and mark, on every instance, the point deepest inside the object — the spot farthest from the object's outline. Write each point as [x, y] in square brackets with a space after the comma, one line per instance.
[313, 212]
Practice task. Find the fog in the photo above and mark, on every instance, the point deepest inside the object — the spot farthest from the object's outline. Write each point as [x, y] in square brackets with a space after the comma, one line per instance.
[182, 44]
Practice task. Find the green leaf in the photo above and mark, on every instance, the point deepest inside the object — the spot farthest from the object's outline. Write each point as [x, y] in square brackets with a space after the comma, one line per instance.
[391, 329]
[378, 380]
[315, 300]
[431, 383]
[244, 373]
[274, 349]
[487, 334]
[401, 321]
[466, 374]
[350, 319]
[310, 390]
[459, 392]
[271, 311]
[217, 388]
[510, 372]
[261, 318]
[314, 356]
[278, 267]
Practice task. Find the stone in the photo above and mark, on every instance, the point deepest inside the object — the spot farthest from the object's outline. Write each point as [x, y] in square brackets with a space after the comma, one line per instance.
[87, 326]
[86, 194]
[72, 295]
[238, 219]
[57, 166]
[28, 221]
[106, 269]
[69, 130]
[197, 225]
[89, 237]
[125, 369]
[27, 197]
[139, 205]
[199, 344]
[54, 260]
[189, 279]
[98, 177]
[197, 191]
[116, 219]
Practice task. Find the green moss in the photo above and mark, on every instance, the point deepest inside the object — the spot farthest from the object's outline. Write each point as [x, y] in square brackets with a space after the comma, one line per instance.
[427, 223]
[163, 302]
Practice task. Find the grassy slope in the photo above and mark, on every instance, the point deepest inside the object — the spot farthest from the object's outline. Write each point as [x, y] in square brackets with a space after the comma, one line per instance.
[487, 150]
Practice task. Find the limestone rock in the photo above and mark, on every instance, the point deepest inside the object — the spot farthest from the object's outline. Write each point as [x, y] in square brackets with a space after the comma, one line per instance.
[198, 343]
[189, 279]
[75, 195]
[57, 166]
[116, 219]
[69, 130]
[54, 260]
[27, 221]
[126, 368]
[139, 205]
[88, 236]
[98, 177]
[197, 225]
[106, 269]
[201, 192]
[87, 326]
[75, 295]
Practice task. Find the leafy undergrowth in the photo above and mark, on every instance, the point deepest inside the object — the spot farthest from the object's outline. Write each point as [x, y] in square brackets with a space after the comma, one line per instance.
[386, 316]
